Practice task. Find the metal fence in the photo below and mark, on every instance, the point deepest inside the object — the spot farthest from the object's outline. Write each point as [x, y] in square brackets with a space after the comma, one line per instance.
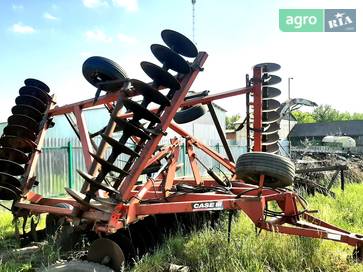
[60, 158]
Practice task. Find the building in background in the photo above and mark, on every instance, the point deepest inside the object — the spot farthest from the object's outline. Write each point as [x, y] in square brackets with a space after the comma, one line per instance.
[315, 132]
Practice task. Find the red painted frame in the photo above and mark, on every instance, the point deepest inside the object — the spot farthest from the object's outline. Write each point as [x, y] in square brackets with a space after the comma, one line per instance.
[251, 199]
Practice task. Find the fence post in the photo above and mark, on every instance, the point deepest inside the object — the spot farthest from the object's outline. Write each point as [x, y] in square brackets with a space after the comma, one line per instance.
[342, 179]
[183, 156]
[70, 165]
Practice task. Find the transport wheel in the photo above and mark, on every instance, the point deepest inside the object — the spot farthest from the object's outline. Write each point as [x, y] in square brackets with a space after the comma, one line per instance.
[107, 252]
[78, 266]
[99, 69]
[279, 171]
[54, 222]
[190, 114]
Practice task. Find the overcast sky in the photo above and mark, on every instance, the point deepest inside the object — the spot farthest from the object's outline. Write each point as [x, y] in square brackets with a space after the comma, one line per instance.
[50, 40]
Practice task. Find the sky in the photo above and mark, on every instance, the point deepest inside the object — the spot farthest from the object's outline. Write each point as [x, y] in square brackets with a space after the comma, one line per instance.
[50, 40]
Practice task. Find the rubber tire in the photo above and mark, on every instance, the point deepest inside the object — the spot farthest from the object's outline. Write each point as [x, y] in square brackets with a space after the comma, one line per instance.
[104, 68]
[190, 114]
[279, 171]
[78, 266]
[54, 222]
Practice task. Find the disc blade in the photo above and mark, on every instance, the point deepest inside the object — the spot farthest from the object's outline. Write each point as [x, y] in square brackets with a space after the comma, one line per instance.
[15, 130]
[270, 139]
[270, 105]
[118, 147]
[6, 178]
[271, 80]
[270, 117]
[140, 112]
[105, 248]
[106, 201]
[11, 167]
[36, 92]
[13, 154]
[179, 43]
[160, 76]
[270, 92]
[170, 59]
[80, 198]
[19, 143]
[9, 192]
[130, 129]
[274, 148]
[149, 93]
[37, 83]
[31, 101]
[268, 67]
[24, 121]
[91, 180]
[107, 165]
[270, 128]
[27, 110]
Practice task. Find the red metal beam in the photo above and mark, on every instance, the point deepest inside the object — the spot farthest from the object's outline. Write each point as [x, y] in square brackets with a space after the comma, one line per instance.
[84, 136]
[193, 164]
[222, 160]
[166, 118]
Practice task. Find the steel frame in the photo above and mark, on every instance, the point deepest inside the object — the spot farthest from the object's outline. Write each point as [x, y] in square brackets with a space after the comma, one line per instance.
[159, 196]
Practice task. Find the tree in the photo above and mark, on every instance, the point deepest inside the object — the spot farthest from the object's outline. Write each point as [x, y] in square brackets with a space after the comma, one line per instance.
[303, 117]
[230, 120]
[325, 113]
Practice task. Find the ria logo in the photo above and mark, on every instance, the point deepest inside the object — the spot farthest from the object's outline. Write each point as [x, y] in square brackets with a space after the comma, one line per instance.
[317, 20]
[340, 20]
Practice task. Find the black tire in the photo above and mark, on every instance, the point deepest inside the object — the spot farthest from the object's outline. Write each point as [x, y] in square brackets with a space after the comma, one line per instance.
[279, 171]
[190, 114]
[54, 222]
[78, 266]
[99, 69]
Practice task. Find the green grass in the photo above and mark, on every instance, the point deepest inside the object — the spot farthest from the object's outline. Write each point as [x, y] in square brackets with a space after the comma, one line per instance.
[46, 255]
[208, 250]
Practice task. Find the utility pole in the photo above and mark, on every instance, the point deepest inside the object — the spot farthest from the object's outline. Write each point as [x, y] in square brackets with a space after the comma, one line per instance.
[289, 127]
[193, 19]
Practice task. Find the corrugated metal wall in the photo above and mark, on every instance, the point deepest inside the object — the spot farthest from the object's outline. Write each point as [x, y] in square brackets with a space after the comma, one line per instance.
[53, 171]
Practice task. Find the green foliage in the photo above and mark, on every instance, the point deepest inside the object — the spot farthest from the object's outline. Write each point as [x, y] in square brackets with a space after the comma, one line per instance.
[47, 254]
[303, 117]
[325, 113]
[230, 120]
